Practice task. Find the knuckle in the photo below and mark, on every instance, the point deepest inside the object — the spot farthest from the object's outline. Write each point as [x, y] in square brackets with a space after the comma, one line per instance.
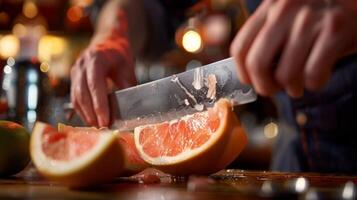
[313, 81]
[77, 90]
[80, 95]
[283, 78]
[255, 66]
[287, 4]
[92, 86]
[304, 15]
[284, 7]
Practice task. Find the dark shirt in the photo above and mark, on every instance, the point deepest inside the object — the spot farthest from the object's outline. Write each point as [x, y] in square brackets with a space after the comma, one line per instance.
[327, 141]
[174, 10]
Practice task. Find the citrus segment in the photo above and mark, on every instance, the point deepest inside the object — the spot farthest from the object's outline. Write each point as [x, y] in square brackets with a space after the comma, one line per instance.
[65, 146]
[74, 158]
[133, 162]
[200, 143]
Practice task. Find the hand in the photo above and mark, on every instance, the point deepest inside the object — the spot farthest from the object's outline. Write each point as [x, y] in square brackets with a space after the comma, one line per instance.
[110, 59]
[294, 44]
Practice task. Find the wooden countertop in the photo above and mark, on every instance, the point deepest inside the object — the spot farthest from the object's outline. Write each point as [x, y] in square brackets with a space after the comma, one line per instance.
[226, 184]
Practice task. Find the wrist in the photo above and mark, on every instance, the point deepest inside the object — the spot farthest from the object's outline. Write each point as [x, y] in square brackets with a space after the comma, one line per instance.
[116, 32]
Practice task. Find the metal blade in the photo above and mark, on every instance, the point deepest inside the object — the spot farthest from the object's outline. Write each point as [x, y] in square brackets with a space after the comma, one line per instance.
[178, 95]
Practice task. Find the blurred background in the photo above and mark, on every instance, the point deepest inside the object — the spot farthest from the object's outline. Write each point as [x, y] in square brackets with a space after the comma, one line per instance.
[40, 40]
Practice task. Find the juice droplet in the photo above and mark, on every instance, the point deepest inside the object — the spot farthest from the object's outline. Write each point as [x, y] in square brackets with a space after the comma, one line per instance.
[198, 79]
[199, 107]
[211, 82]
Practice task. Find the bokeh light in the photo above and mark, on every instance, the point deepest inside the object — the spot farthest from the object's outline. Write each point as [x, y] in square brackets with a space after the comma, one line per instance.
[9, 46]
[30, 9]
[44, 67]
[74, 13]
[49, 46]
[192, 41]
[7, 69]
[82, 3]
[271, 130]
[10, 61]
[216, 29]
[19, 30]
[4, 18]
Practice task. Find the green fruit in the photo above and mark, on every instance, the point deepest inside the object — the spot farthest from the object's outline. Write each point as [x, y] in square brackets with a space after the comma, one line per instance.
[14, 148]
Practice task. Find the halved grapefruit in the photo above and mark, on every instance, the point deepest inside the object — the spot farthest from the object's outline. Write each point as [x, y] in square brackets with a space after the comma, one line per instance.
[133, 162]
[201, 143]
[76, 158]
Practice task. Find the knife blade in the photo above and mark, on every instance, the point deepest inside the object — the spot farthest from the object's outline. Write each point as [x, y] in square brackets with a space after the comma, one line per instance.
[178, 95]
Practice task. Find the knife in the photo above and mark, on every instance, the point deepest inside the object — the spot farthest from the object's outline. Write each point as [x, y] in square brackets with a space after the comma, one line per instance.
[178, 95]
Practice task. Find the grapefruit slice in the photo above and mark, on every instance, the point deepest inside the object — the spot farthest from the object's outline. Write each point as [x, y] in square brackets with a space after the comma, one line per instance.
[201, 143]
[76, 158]
[133, 162]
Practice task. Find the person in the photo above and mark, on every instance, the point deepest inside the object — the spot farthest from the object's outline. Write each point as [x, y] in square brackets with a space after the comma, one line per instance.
[124, 29]
[303, 48]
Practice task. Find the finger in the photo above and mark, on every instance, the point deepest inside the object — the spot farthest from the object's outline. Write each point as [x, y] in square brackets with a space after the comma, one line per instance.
[82, 96]
[78, 110]
[324, 53]
[267, 46]
[75, 104]
[289, 73]
[245, 37]
[123, 73]
[96, 79]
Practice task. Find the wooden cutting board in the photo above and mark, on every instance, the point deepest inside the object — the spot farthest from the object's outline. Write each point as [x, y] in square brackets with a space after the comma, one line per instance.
[226, 184]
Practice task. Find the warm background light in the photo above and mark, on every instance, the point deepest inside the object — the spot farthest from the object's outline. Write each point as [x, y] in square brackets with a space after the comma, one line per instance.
[19, 30]
[30, 9]
[82, 3]
[44, 67]
[75, 13]
[192, 41]
[9, 46]
[216, 29]
[51, 46]
[4, 18]
[271, 130]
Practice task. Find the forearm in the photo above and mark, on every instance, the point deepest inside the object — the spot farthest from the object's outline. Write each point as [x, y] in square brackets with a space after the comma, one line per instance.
[120, 19]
